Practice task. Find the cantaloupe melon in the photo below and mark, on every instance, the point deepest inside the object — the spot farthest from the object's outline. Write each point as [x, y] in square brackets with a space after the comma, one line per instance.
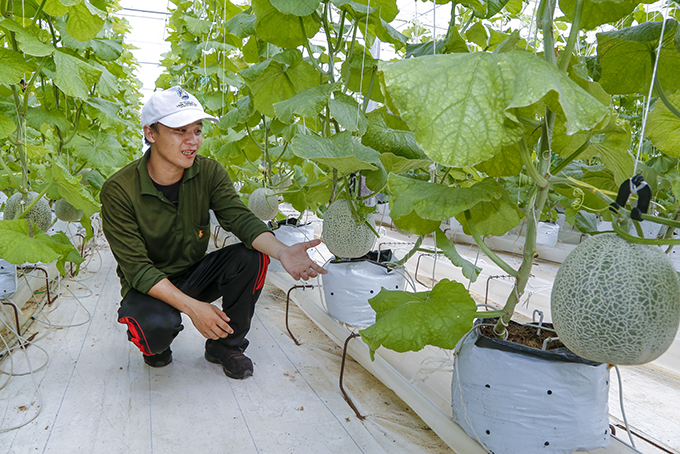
[616, 302]
[343, 236]
[40, 214]
[67, 212]
[264, 203]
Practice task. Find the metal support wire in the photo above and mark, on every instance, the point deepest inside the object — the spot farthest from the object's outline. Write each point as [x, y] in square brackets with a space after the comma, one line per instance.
[304, 286]
[342, 372]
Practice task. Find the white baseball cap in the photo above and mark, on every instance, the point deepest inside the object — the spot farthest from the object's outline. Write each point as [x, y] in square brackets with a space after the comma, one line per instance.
[173, 108]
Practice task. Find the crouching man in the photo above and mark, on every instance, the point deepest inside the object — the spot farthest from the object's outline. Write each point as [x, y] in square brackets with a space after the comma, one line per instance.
[156, 219]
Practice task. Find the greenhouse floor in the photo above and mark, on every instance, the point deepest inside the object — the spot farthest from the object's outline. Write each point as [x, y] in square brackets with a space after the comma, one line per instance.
[91, 392]
[97, 395]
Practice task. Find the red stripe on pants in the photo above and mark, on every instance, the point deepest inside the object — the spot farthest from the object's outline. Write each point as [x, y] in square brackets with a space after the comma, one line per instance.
[136, 335]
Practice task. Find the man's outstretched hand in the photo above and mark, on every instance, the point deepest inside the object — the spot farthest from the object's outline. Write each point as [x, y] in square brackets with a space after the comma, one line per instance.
[298, 264]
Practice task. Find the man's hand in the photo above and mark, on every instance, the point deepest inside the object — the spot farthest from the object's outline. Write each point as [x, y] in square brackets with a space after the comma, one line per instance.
[298, 264]
[209, 320]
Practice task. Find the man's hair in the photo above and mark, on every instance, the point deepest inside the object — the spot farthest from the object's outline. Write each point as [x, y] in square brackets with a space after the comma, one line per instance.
[153, 126]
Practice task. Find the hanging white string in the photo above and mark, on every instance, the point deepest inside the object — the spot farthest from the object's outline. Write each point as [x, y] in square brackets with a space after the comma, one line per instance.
[651, 88]
[531, 26]
[434, 28]
[363, 61]
[224, 50]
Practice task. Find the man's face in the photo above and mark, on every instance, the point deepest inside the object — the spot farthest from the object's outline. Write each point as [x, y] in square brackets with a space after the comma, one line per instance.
[177, 147]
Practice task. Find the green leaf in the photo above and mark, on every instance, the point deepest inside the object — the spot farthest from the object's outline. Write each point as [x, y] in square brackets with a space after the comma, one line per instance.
[398, 164]
[14, 66]
[627, 59]
[37, 117]
[281, 80]
[241, 25]
[477, 34]
[610, 141]
[598, 12]
[341, 151]
[296, 7]
[63, 246]
[354, 7]
[346, 111]
[32, 40]
[487, 200]
[410, 321]
[507, 163]
[98, 150]
[20, 243]
[468, 268]
[107, 49]
[55, 8]
[393, 137]
[7, 126]
[307, 103]
[460, 106]
[196, 27]
[663, 127]
[82, 24]
[70, 188]
[283, 30]
[74, 76]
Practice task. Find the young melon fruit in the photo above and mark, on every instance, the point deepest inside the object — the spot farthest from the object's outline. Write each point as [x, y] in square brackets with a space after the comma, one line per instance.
[264, 203]
[343, 236]
[67, 212]
[40, 214]
[616, 302]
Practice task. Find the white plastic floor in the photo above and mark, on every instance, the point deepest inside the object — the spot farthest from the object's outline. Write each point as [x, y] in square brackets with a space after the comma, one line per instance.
[97, 396]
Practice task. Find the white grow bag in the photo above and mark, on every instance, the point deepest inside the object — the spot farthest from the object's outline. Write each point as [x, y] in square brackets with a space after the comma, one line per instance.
[349, 285]
[523, 400]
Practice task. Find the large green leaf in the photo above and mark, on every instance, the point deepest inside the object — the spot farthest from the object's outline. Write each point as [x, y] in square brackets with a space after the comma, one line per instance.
[410, 321]
[280, 80]
[283, 30]
[393, 138]
[296, 7]
[82, 24]
[37, 117]
[341, 151]
[627, 58]
[241, 25]
[7, 126]
[74, 76]
[663, 127]
[307, 103]
[32, 40]
[55, 8]
[597, 12]
[398, 164]
[98, 149]
[20, 243]
[14, 66]
[487, 200]
[346, 111]
[460, 106]
[195, 26]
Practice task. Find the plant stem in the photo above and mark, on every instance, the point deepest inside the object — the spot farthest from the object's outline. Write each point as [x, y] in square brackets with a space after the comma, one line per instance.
[662, 95]
[35, 200]
[525, 154]
[309, 51]
[573, 36]
[571, 158]
[491, 254]
[413, 250]
[634, 239]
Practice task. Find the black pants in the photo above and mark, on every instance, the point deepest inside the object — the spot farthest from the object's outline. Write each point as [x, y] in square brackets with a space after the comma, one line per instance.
[235, 273]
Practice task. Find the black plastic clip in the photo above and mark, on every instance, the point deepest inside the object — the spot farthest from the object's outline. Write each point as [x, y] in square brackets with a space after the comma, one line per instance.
[636, 185]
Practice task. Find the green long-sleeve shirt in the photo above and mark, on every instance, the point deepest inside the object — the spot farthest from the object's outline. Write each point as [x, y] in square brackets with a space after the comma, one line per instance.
[151, 238]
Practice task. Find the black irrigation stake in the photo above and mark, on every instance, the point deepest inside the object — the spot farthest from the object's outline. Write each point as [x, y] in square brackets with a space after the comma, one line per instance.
[288, 304]
[342, 372]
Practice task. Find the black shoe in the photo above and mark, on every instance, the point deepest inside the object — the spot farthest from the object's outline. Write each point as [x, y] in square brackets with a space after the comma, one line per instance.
[162, 359]
[234, 363]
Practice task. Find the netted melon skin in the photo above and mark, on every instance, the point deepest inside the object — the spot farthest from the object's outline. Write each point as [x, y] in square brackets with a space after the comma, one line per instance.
[40, 214]
[264, 203]
[616, 302]
[342, 235]
[67, 212]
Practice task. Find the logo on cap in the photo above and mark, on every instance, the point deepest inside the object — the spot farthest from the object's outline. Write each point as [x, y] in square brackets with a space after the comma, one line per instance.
[182, 94]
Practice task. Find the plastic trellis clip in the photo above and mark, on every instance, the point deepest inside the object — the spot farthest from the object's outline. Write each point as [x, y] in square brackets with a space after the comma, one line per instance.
[636, 185]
